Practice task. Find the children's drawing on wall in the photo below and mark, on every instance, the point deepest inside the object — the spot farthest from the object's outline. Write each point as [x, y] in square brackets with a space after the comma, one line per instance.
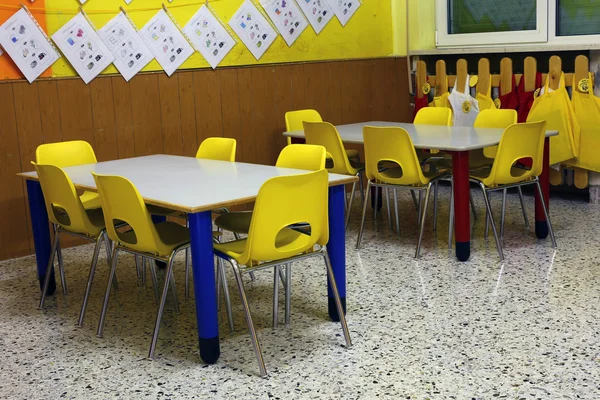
[253, 29]
[287, 17]
[317, 12]
[344, 9]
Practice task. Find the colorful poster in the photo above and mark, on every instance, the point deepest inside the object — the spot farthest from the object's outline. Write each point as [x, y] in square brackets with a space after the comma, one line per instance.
[317, 12]
[287, 17]
[344, 9]
[253, 29]
[125, 43]
[167, 43]
[27, 45]
[82, 46]
[208, 36]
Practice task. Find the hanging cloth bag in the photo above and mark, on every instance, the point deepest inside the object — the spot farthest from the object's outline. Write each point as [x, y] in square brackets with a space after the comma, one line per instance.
[465, 108]
[526, 98]
[508, 101]
[555, 107]
[587, 113]
[485, 99]
[440, 100]
[422, 102]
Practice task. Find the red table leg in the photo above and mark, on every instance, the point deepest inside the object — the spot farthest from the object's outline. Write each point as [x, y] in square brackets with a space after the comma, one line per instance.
[462, 217]
[541, 228]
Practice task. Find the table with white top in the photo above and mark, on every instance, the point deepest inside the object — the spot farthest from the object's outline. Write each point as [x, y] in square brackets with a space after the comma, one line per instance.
[456, 140]
[196, 187]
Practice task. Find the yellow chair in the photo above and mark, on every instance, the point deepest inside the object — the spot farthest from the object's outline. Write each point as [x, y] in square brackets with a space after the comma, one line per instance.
[281, 202]
[294, 120]
[326, 135]
[67, 214]
[433, 116]
[518, 141]
[69, 154]
[394, 145]
[121, 201]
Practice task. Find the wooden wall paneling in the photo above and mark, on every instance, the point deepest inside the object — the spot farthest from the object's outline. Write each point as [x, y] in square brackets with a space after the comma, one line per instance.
[75, 105]
[29, 128]
[405, 111]
[146, 114]
[386, 91]
[123, 118]
[103, 116]
[265, 133]
[317, 91]
[14, 229]
[356, 91]
[298, 82]
[230, 108]
[187, 104]
[170, 109]
[282, 100]
[248, 127]
[49, 111]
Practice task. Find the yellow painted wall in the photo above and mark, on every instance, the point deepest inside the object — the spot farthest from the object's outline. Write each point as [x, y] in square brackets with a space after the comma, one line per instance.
[421, 29]
[369, 33]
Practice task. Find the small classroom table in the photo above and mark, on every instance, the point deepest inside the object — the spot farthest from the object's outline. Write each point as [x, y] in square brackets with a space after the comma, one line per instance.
[456, 140]
[196, 187]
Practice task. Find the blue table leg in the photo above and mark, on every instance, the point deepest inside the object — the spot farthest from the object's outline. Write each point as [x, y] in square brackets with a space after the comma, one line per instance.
[204, 286]
[337, 248]
[41, 233]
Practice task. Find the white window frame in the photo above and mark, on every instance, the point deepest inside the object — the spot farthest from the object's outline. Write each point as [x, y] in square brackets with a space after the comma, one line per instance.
[554, 39]
[446, 40]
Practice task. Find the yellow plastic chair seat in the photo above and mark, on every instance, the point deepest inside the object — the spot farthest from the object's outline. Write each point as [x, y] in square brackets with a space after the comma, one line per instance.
[95, 216]
[238, 222]
[395, 173]
[170, 233]
[477, 160]
[483, 175]
[90, 200]
[287, 238]
[352, 153]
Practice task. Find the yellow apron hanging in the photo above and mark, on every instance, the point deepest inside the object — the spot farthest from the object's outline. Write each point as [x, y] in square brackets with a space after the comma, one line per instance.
[485, 100]
[556, 109]
[441, 101]
[587, 112]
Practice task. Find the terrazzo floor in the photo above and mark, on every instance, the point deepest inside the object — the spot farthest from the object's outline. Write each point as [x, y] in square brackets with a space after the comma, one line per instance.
[429, 329]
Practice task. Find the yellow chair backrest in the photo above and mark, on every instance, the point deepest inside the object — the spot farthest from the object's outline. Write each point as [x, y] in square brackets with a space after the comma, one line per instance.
[294, 120]
[326, 135]
[121, 201]
[518, 141]
[434, 116]
[62, 202]
[65, 154]
[385, 144]
[495, 118]
[302, 156]
[283, 201]
[217, 148]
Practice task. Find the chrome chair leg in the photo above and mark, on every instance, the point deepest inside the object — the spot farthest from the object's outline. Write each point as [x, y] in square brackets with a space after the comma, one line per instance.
[396, 210]
[61, 268]
[154, 277]
[435, 205]
[88, 288]
[49, 271]
[420, 213]
[362, 221]
[422, 223]
[174, 289]
[111, 275]
[523, 208]
[376, 204]
[387, 202]
[487, 217]
[546, 214]
[451, 215]
[252, 330]
[221, 267]
[361, 187]
[288, 293]
[503, 215]
[336, 297]
[138, 267]
[275, 297]
[491, 219]
[414, 198]
[349, 208]
[108, 247]
[473, 209]
[219, 284]
[144, 262]
[161, 306]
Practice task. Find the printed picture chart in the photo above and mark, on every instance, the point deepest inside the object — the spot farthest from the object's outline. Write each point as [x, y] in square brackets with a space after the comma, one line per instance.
[127, 46]
[344, 9]
[208, 36]
[82, 46]
[167, 43]
[253, 29]
[317, 12]
[287, 17]
[26, 44]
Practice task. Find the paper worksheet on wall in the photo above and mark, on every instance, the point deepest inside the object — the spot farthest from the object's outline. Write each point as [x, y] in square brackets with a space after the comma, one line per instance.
[253, 29]
[127, 46]
[287, 17]
[167, 43]
[344, 9]
[209, 36]
[82, 46]
[27, 45]
[317, 12]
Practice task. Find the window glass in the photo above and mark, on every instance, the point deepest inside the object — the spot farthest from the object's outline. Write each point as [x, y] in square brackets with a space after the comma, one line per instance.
[578, 17]
[479, 16]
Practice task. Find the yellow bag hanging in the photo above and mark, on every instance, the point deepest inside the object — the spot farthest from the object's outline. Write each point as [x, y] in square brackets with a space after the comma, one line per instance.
[441, 100]
[556, 109]
[587, 112]
[485, 100]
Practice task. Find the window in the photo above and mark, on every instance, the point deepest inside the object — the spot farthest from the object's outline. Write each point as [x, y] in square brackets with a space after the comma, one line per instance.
[463, 23]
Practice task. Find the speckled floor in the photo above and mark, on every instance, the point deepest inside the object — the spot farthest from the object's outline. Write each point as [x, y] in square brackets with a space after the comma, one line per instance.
[432, 329]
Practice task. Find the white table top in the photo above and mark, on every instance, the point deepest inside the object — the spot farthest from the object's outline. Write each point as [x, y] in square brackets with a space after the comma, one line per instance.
[437, 137]
[185, 183]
